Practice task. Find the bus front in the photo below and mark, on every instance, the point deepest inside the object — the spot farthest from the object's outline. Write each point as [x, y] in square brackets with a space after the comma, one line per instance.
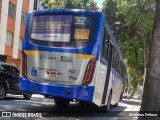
[59, 54]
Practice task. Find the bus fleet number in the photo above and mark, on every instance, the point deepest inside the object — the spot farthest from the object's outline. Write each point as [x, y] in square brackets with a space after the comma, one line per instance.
[80, 20]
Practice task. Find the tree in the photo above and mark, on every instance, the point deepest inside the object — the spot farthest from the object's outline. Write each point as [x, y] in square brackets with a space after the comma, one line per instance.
[72, 4]
[139, 16]
[151, 95]
[131, 22]
[109, 8]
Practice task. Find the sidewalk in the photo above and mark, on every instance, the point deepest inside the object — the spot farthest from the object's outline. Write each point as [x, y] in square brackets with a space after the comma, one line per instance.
[132, 107]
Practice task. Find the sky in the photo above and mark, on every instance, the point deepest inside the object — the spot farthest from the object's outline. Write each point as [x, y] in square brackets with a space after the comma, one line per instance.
[99, 3]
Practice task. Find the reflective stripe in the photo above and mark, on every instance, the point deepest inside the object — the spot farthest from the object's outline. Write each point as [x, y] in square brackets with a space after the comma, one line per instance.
[31, 52]
[83, 56]
[79, 56]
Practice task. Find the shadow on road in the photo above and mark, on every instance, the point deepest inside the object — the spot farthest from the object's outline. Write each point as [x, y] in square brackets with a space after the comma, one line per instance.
[13, 98]
[77, 110]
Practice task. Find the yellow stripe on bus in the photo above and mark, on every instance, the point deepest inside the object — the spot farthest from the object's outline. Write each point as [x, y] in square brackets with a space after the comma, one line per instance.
[83, 56]
[80, 56]
[31, 52]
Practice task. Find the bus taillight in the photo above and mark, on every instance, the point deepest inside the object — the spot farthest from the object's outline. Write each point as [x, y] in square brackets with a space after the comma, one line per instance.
[89, 72]
[24, 65]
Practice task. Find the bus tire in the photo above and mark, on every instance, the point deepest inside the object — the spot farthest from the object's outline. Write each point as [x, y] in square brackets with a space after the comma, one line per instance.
[84, 103]
[46, 96]
[115, 105]
[62, 102]
[27, 96]
[106, 108]
[121, 97]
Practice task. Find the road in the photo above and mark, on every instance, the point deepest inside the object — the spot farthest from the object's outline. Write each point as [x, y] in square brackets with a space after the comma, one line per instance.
[46, 107]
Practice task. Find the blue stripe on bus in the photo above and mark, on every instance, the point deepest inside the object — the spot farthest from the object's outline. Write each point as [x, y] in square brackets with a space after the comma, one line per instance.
[83, 93]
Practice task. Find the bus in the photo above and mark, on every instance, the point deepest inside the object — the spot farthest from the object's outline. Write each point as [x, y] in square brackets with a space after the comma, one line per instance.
[72, 55]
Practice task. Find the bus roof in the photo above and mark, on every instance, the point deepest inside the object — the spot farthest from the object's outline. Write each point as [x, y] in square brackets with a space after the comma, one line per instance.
[66, 11]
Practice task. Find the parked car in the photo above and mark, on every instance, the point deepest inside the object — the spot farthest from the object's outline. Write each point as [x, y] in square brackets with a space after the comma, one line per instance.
[9, 81]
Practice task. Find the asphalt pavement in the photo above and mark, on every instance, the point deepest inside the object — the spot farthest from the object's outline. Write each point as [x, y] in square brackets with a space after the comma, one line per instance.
[39, 106]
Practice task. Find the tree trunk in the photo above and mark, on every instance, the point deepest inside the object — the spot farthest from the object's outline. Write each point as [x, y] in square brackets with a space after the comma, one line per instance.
[146, 50]
[151, 94]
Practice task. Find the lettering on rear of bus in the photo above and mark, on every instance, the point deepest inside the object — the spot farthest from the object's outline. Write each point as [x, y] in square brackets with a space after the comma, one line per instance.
[66, 59]
[80, 20]
[72, 77]
[47, 57]
[73, 72]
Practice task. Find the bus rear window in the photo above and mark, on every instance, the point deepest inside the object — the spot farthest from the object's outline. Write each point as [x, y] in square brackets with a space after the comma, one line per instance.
[62, 28]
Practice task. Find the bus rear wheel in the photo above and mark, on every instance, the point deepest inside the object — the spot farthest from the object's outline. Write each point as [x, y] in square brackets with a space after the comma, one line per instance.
[62, 102]
[27, 96]
[85, 104]
[115, 105]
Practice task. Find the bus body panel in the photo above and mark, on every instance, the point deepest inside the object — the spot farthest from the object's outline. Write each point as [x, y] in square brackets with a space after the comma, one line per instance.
[83, 93]
[115, 84]
[99, 83]
[57, 67]
[117, 87]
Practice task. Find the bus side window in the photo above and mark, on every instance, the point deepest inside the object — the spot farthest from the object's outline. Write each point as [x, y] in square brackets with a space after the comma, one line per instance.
[105, 45]
[119, 69]
[114, 59]
[122, 70]
[117, 61]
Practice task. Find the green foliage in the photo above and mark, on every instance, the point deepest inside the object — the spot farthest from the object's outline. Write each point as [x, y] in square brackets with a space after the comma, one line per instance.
[109, 9]
[72, 4]
[132, 24]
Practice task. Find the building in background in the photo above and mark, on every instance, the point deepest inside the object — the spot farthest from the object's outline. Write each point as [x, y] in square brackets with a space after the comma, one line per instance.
[13, 15]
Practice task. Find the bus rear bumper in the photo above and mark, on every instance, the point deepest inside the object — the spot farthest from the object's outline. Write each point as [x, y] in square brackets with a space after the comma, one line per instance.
[83, 93]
